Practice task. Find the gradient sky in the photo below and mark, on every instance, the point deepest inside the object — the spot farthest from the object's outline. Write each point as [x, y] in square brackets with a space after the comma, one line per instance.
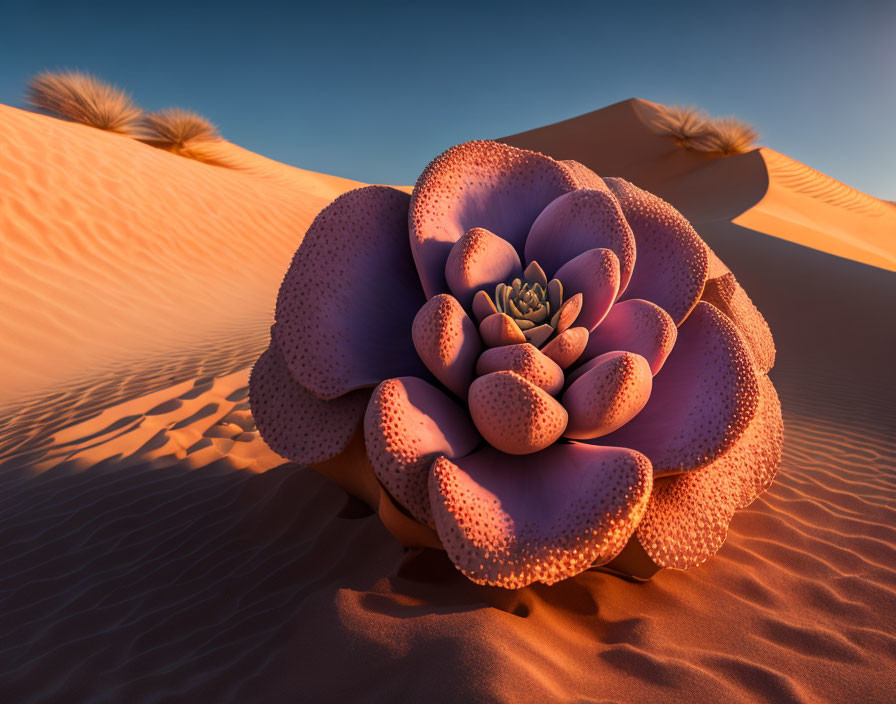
[373, 93]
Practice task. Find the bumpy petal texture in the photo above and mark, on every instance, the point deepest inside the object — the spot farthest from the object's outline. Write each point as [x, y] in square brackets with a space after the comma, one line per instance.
[479, 184]
[294, 422]
[584, 177]
[637, 326]
[514, 415]
[480, 260]
[688, 515]
[595, 275]
[567, 347]
[510, 521]
[407, 425]
[577, 222]
[612, 389]
[527, 361]
[447, 341]
[702, 400]
[729, 297]
[672, 262]
[337, 331]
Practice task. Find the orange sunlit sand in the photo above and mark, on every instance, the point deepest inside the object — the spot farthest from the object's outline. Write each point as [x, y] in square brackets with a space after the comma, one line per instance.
[138, 288]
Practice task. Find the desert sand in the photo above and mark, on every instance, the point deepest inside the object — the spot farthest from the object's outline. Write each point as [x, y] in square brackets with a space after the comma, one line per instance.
[154, 549]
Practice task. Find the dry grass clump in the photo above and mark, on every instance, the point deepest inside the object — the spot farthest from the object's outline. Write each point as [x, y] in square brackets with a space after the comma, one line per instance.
[80, 97]
[177, 130]
[686, 125]
[695, 129]
[728, 135]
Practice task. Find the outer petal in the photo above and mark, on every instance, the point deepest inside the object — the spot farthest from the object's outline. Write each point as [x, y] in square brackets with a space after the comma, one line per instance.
[594, 274]
[672, 259]
[527, 361]
[514, 415]
[702, 401]
[407, 425]
[479, 184]
[480, 260]
[510, 521]
[447, 342]
[577, 222]
[607, 396]
[338, 330]
[688, 515]
[637, 326]
[294, 422]
[727, 295]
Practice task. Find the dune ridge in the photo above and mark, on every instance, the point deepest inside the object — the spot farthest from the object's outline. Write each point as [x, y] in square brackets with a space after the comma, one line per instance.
[762, 189]
[152, 548]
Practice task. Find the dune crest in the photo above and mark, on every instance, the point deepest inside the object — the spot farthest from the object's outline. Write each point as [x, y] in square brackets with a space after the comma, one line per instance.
[762, 189]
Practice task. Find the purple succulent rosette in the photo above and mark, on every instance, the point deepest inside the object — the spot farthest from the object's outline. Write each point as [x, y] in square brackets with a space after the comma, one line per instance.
[560, 366]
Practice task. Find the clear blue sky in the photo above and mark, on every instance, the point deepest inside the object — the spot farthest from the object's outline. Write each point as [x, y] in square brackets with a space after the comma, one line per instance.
[374, 92]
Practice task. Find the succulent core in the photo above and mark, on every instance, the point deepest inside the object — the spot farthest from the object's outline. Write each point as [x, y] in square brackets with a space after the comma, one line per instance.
[532, 302]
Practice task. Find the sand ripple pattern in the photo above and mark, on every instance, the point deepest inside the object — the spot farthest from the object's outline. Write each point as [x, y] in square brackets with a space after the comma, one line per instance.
[805, 180]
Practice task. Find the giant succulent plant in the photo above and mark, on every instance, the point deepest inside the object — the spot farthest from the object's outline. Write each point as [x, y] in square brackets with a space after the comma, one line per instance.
[550, 369]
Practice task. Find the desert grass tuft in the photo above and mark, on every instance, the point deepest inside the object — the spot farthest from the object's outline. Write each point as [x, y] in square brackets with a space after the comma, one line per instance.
[178, 131]
[728, 135]
[686, 125]
[694, 129]
[81, 97]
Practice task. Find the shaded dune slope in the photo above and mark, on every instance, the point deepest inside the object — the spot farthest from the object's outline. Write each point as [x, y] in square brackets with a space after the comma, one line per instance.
[153, 549]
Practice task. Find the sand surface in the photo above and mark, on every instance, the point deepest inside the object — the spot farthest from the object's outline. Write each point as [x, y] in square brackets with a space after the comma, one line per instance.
[154, 549]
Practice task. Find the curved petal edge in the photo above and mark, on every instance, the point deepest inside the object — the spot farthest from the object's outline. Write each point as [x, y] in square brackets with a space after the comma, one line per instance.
[333, 336]
[688, 515]
[510, 521]
[294, 422]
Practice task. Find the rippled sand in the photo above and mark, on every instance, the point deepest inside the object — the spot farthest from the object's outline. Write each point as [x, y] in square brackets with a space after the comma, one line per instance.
[153, 549]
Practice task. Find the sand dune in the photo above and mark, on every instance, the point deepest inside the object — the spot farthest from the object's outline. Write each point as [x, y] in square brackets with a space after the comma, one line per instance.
[153, 548]
[116, 253]
[762, 189]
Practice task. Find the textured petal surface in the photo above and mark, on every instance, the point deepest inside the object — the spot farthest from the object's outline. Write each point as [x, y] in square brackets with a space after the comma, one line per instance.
[335, 336]
[479, 260]
[499, 329]
[510, 521]
[702, 401]
[513, 414]
[567, 347]
[294, 422]
[408, 424]
[577, 222]
[607, 396]
[447, 341]
[688, 515]
[584, 177]
[672, 260]
[729, 297]
[594, 274]
[637, 326]
[479, 184]
[527, 361]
